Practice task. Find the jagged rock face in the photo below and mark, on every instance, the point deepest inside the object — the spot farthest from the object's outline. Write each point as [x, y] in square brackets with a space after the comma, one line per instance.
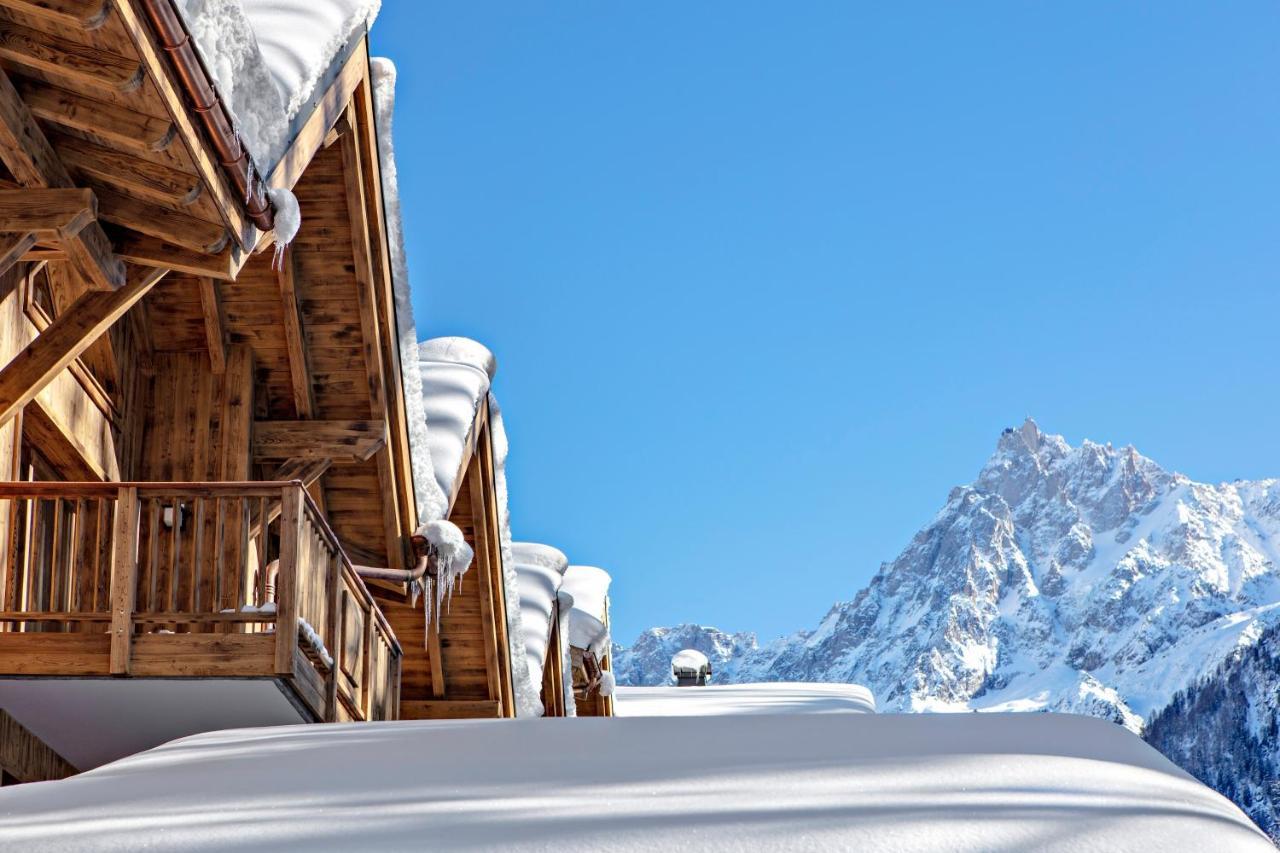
[1084, 579]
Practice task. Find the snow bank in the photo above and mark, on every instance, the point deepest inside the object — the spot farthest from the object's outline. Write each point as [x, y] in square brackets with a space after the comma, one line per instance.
[589, 587]
[735, 699]
[539, 573]
[456, 373]
[432, 503]
[271, 60]
[828, 782]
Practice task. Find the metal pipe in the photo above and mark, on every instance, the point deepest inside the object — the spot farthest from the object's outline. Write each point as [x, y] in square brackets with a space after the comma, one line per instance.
[195, 82]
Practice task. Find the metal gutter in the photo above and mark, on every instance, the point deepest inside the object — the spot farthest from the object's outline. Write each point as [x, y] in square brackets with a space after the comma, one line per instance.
[196, 83]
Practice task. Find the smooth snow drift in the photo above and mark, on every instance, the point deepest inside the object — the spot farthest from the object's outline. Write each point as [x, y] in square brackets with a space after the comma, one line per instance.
[828, 782]
[735, 699]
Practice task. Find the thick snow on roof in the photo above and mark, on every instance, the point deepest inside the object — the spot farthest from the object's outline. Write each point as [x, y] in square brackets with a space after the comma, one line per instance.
[271, 60]
[431, 502]
[828, 782]
[734, 699]
[589, 587]
[690, 659]
[539, 573]
[528, 692]
[456, 373]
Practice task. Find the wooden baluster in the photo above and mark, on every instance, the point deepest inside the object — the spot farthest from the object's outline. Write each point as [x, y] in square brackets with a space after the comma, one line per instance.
[198, 553]
[79, 568]
[124, 577]
[55, 563]
[175, 555]
[366, 670]
[102, 569]
[332, 640]
[150, 578]
[287, 579]
[219, 554]
[260, 592]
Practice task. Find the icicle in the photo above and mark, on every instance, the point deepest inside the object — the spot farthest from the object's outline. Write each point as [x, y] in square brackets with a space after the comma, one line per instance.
[447, 546]
[288, 221]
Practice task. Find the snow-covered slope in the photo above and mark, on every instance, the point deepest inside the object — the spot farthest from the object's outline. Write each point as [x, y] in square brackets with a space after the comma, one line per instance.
[826, 782]
[1084, 579]
[1225, 731]
[737, 699]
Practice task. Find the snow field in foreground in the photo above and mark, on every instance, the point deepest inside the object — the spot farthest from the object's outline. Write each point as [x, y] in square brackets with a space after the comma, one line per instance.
[733, 699]
[823, 782]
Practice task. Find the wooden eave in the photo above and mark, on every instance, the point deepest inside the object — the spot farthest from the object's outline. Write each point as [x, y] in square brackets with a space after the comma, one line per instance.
[108, 102]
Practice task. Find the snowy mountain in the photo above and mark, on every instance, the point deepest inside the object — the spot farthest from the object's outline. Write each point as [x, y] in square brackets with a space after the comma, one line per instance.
[1226, 731]
[1083, 579]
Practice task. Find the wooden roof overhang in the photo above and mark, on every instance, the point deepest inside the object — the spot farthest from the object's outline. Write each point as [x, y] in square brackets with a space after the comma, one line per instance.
[94, 113]
[459, 665]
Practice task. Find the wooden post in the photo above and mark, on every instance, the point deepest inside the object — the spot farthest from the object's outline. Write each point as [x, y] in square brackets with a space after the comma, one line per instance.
[287, 579]
[124, 577]
[333, 590]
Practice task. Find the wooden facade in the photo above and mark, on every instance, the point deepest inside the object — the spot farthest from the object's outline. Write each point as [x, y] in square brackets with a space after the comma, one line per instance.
[199, 441]
[460, 665]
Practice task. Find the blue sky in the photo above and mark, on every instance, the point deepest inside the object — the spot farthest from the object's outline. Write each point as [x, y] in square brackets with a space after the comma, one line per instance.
[766, 280]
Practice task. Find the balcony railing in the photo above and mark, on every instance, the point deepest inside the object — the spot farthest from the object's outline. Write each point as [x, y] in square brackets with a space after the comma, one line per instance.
[191, 579]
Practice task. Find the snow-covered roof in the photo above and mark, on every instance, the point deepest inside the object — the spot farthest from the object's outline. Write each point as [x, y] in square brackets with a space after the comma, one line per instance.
[829, 782]
[271, 60]
[588, 622]
[456, 373]
[734, 699]
[689, 659]
[539, 573]
[431, 502]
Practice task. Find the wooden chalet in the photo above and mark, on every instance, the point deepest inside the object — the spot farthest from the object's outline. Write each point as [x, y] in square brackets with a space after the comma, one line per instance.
[200, 437]
[544, 609]
[459, 663]
[589, 640]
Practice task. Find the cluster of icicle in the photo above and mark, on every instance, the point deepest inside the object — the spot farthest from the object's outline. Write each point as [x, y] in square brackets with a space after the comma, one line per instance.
[453, 556]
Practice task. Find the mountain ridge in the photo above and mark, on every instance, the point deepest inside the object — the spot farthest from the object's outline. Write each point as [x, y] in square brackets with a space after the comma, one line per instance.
[1083, 579]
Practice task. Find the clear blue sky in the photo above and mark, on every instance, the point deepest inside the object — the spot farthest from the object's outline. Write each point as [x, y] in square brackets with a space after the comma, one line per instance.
[766, 280]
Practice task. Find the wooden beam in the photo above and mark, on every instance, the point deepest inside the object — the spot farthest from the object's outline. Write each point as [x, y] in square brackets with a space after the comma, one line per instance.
[67, 337]
[69, 62]
[449, 709]
[227, 200]
[370, 337]
[161, 222]
[148, 251]
[110, 123]
[14, 248]
[340, 441]
[128, 173]
[124, 577]
[299, 368]
[307, 471]
[60, 213]
[215, 336]
[33, 162]
[86, 15]
[400, 459]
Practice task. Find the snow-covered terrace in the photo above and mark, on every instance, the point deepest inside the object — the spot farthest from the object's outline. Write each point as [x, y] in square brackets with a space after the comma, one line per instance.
[826, 782]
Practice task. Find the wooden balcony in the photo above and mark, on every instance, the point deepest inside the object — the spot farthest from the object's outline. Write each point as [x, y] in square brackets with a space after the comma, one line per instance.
[191, 581]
